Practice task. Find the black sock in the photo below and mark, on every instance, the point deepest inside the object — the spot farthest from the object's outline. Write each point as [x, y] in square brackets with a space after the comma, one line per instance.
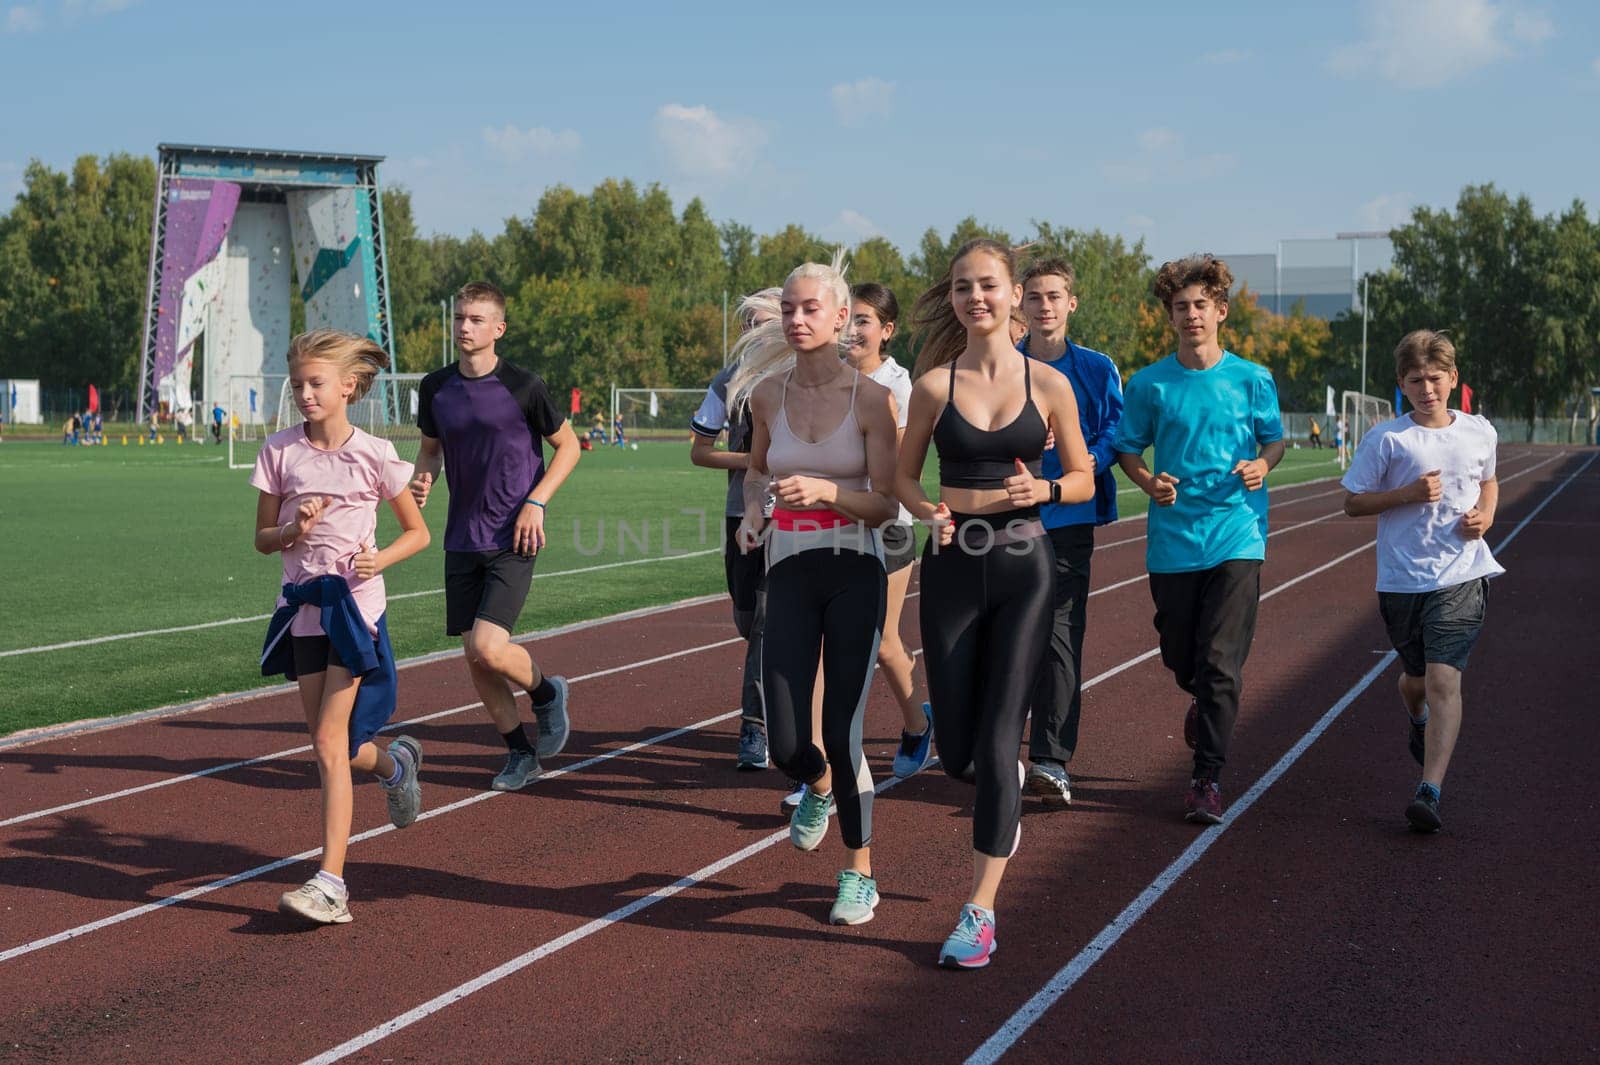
[517, 739]
[544, 694]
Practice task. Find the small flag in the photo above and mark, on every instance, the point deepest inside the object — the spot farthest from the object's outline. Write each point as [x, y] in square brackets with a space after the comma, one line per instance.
[577, 401]
[655, 405]
[1466, 398]
[94, 399]
[1330, 409]
[413, 403]
[252, 401]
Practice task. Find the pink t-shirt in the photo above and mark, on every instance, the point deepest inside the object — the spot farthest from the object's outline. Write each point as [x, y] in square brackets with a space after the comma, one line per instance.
[354, 478]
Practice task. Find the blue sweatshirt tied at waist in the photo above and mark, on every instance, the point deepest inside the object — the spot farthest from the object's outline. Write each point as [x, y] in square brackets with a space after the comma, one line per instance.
[1098, 388]
[366, 656]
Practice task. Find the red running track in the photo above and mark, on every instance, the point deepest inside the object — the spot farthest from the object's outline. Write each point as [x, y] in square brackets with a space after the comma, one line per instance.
[1313, 927]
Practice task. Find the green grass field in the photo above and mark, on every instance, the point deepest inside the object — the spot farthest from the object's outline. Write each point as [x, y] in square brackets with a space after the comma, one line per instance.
[106, 541]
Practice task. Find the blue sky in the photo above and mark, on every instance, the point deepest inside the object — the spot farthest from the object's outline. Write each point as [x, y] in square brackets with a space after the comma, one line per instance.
[1222, 127]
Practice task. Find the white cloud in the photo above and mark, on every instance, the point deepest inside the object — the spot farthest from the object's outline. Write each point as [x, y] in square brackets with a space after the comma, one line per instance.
[1422, 44]
[851, 227]
[23, 18]
[1386, 211]
[1226, 56]
[1140, 221]
[700, 143]
[1162, 156]
[514, 145]
[860, 102]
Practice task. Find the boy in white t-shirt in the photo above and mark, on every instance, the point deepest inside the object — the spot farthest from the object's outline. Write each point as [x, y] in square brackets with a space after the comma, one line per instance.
[1430, 477]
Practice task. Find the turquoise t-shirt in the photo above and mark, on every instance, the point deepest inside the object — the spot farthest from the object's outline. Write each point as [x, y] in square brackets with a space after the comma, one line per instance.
[1202, 423]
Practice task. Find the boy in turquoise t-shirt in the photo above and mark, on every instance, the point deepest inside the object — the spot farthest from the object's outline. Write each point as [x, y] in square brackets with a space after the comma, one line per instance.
[1213, 420]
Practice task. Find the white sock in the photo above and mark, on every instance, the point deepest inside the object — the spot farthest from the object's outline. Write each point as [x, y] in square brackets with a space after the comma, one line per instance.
[333, 885]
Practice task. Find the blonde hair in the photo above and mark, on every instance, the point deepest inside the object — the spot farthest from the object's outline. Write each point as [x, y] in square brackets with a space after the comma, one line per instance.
[765, 305]
[934, 320]
[763, 350]
[1422, 349]
[357, 357]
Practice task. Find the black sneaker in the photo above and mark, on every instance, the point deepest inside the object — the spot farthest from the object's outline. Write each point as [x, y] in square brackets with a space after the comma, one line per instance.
[1423, 813]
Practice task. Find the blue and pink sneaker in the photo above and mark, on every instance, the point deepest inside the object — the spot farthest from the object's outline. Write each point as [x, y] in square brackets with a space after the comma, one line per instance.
[972, 944]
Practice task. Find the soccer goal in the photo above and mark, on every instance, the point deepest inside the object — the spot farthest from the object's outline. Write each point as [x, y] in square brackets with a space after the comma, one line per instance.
[648, 414]
[258, 405]
[1358, 413]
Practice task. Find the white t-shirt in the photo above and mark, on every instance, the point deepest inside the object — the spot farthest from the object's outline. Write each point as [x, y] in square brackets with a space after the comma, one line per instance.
[1420, 546]
[897, 380]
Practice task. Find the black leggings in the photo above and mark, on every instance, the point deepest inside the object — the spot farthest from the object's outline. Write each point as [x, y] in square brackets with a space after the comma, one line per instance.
[986, 614]
[827, 604]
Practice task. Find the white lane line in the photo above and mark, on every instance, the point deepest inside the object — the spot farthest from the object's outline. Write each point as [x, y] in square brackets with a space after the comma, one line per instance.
[92, 641]
[582, 932]
[1002, 1040]
[32, 737]
[392, 726]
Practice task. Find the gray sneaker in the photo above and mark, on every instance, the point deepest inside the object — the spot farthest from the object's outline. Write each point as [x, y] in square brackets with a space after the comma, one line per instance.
[310, 902]
[553, 722]
[752, 746]
[1050, 780]
[405, 798]
[521, 767]
[858, 897]
[809, 822]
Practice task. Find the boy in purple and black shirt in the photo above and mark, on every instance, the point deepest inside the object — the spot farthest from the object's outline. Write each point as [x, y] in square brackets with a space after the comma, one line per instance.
[485, 421]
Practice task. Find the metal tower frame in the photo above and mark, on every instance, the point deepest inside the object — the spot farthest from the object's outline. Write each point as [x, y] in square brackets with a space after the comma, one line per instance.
[288, 170]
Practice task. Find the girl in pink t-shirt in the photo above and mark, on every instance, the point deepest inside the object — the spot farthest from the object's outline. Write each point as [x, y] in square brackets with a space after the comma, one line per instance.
[320, 484]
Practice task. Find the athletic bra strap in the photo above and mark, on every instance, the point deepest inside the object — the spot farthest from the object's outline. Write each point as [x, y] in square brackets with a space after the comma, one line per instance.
[951, 398]
[1027, 381]
[855, 384]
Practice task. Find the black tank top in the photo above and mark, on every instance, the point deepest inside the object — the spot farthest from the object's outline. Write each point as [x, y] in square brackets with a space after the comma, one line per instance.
[969, 457]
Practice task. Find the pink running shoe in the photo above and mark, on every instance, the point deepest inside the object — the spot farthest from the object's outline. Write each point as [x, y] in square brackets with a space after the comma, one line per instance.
[972, 944]
[1203, 803]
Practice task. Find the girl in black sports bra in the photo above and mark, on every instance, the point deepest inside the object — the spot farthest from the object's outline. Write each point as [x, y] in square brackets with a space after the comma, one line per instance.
[988, 568]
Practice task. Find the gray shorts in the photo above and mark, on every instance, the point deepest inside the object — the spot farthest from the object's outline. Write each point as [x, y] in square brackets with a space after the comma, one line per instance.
[899, 546]
[1438, 626]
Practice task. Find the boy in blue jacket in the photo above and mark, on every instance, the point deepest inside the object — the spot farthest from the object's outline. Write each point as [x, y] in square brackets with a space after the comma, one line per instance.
[1048, 300]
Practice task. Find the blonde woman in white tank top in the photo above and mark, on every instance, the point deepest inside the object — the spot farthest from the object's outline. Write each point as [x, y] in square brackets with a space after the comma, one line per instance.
[824, 441]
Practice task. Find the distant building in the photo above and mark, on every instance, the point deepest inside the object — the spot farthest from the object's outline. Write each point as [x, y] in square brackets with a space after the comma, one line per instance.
[1324, 274]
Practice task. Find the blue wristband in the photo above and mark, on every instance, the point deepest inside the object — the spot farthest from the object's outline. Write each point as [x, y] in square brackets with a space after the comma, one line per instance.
[534, 502]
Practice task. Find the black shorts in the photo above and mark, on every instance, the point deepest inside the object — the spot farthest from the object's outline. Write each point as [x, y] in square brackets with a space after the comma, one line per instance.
[314, 654]
[745, 572]
[1438, 626]
[899, 546]
[492, 585]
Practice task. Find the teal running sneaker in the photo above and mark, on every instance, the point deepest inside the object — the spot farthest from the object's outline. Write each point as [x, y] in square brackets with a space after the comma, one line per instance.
[809, 822]
[858, 897]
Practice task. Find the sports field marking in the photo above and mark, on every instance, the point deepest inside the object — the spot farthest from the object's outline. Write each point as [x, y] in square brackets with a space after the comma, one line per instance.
[267, 617]
[996, 1045]
[250, 874]
[522, 961]
[303, 748]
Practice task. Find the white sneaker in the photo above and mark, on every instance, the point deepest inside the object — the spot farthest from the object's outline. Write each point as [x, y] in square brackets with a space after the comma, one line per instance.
[311, 902]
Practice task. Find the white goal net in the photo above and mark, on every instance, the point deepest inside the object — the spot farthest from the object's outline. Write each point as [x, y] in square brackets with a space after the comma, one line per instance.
[647, 414]
[258, 405]
[1358, 413]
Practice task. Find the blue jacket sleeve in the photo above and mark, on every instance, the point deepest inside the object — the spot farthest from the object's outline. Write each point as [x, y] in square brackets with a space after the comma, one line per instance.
[1108, 403]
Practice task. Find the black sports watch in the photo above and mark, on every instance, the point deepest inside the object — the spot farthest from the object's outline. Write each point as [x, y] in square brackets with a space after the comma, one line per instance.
[1055, 491]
